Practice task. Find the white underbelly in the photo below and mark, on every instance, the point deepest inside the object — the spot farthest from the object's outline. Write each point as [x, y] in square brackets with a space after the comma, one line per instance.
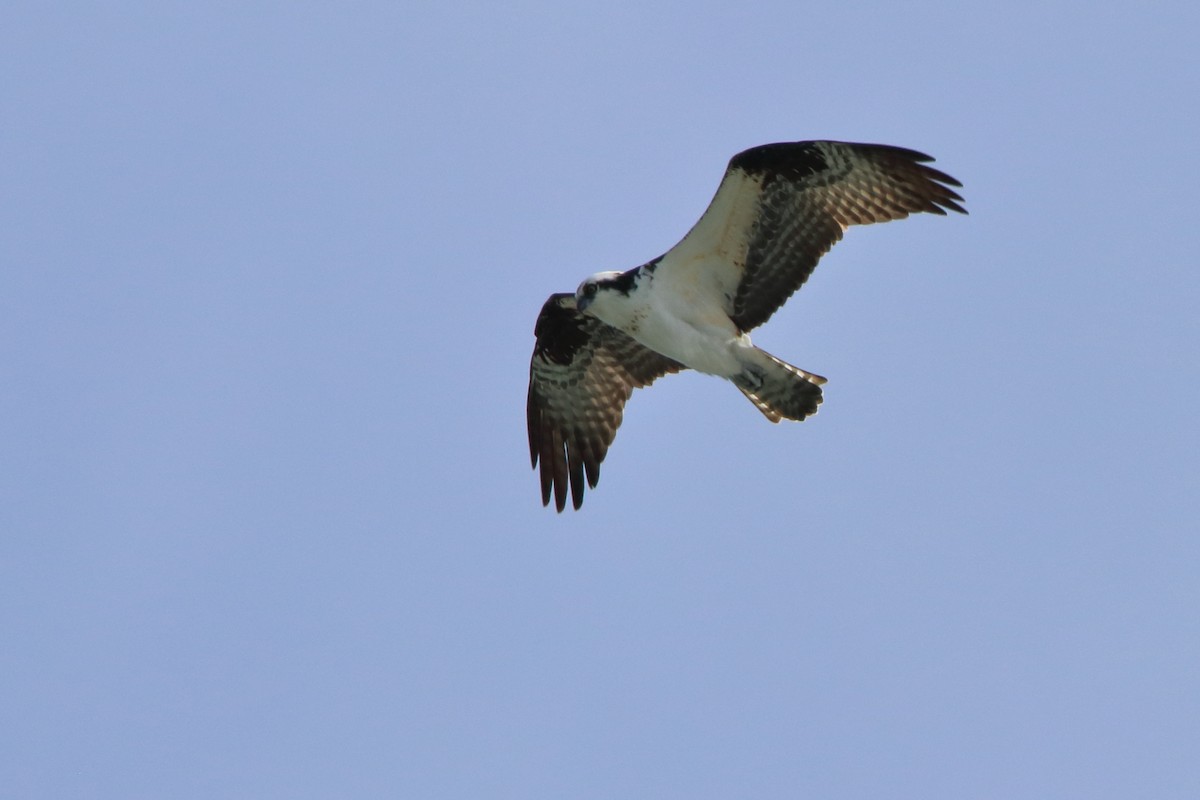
[705, 346]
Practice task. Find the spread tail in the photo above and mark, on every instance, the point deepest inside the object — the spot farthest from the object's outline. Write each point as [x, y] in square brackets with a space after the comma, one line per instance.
[779, 390]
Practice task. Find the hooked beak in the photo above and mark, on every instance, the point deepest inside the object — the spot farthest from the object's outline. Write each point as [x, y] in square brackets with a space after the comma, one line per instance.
[581, 303]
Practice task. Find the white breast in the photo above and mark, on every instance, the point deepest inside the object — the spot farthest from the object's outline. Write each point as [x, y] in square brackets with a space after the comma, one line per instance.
[684, 320]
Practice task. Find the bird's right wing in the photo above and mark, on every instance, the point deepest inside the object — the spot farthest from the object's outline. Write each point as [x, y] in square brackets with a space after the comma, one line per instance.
[581, 374]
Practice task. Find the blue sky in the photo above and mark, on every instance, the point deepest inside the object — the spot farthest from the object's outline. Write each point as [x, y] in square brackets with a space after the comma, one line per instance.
[270, 274]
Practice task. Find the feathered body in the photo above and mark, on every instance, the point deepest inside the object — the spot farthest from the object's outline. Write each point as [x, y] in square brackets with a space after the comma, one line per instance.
[779, 208]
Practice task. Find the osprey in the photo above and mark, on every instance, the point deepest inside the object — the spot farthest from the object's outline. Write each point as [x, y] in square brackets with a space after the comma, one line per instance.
[779, 208]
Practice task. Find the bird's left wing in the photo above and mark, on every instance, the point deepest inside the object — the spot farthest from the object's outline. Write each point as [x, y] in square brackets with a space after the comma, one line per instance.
[581, 374]
[780, 207]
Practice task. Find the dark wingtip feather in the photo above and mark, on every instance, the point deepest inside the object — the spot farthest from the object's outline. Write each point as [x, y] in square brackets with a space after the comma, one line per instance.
[532, 426]
[945, 201]
[945, 198]
[560, 483]
[941, 177]
[592, 465]
[902, 152]
[575, 466]
[953, 206]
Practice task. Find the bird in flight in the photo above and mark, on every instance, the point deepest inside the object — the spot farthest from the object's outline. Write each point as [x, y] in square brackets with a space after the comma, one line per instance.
[778, 209]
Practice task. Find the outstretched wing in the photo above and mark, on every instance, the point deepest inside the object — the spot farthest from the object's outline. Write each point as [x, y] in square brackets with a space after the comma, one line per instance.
[780, 207]
[580, 377]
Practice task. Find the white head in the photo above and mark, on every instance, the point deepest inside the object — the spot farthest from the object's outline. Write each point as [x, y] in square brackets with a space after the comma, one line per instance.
[594, 287]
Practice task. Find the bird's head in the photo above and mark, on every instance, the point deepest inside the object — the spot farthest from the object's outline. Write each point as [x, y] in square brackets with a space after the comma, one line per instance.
[595, 286]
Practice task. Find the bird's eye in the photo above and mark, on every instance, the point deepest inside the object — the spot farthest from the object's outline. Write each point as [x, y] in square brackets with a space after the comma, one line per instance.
[589, 290]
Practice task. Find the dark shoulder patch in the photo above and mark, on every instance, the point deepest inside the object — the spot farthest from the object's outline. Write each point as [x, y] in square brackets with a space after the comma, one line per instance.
[792, 160]
[560, 330]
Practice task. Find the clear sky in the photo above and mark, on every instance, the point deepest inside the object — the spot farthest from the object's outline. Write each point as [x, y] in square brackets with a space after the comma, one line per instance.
[268, 279]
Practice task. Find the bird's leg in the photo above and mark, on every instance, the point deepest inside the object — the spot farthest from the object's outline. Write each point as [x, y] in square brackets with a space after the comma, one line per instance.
[752, 377]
